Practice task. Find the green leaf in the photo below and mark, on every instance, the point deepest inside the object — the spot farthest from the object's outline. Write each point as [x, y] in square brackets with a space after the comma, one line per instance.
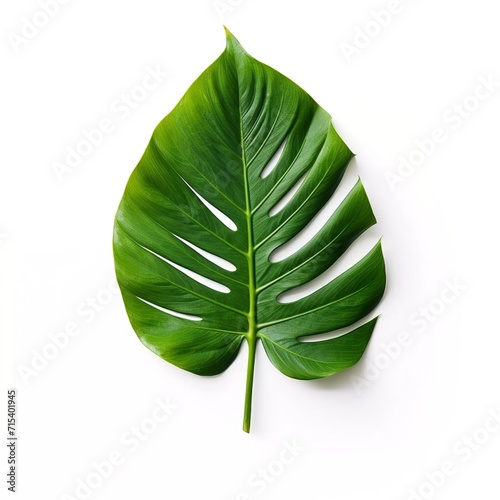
[202, 213]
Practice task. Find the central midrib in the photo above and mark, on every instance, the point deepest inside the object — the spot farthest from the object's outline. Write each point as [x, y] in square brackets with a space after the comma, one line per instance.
[251, 335]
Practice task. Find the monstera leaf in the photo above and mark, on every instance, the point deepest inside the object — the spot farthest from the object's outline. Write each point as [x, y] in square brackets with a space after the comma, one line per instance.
[203, 213]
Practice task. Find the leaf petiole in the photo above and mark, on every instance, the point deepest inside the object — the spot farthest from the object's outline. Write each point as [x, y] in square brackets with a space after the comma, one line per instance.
[252, 347]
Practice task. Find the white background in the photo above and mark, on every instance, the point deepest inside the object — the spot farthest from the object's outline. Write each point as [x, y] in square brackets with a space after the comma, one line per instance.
[439, 224]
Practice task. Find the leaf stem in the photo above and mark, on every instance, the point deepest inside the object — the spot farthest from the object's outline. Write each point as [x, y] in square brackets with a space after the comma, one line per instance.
[252, 344]
[252, 319]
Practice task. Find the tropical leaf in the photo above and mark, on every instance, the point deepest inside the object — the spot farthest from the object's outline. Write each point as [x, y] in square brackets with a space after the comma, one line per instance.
[203, 211]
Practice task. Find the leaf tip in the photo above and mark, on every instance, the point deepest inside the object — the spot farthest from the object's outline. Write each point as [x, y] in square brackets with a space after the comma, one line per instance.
[232, 43]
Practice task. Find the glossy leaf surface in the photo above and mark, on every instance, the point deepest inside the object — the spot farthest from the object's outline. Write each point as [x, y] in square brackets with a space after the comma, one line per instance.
[203, 212]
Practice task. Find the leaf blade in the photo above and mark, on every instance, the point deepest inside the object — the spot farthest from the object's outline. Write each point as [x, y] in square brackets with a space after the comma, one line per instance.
[199, 192]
